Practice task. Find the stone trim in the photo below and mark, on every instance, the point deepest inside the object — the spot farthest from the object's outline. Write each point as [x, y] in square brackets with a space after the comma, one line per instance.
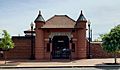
[61, 34]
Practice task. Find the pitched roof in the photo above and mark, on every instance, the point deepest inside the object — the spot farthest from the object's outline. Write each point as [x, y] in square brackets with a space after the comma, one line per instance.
[39, 17]
[81, 17]
[59, 21]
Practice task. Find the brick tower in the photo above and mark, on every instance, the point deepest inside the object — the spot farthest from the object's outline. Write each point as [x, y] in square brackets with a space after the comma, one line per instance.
[81, 36]
[39, 38]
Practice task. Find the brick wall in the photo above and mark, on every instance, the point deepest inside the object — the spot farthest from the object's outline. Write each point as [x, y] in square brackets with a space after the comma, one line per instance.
[22, 49]
[98, 52]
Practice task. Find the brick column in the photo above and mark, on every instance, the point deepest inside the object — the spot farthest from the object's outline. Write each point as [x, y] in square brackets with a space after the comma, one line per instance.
[81, 44]
[39, 44]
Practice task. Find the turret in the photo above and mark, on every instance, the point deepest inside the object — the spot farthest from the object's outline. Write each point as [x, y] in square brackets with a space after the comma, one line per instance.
[81, 38]
[39, 21]
[39, 38]
[81, 21]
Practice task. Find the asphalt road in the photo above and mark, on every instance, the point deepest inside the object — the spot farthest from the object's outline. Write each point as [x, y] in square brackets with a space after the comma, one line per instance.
[83, 68]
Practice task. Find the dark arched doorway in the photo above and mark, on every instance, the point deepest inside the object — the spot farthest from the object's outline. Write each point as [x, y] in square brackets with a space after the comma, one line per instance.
[60, 47]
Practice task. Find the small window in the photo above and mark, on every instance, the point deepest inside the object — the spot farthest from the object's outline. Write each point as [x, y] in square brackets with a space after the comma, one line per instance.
[48, 47]
[71, 40]
[49, 40]
[73, 47]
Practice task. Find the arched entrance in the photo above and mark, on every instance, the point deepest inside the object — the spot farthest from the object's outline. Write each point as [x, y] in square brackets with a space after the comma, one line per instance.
[60, 47]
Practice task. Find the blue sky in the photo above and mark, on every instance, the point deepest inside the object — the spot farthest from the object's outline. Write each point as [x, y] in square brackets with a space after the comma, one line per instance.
[16, 15]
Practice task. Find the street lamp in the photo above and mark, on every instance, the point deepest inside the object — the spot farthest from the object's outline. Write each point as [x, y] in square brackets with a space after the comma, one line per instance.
[91, 35]
[32, 46]
[89, 47]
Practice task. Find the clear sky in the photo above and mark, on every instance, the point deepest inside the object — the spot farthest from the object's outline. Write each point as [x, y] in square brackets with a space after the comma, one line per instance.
[16, 15]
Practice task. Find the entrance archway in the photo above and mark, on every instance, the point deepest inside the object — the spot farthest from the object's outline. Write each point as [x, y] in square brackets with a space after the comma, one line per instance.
[60, 47]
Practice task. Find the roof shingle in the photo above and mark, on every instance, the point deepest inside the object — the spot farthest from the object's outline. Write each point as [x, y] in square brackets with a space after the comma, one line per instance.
[60, 21]
[81, 17]
[39, 17]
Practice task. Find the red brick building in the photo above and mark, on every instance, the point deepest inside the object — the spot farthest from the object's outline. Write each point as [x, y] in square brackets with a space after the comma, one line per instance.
[60, 37]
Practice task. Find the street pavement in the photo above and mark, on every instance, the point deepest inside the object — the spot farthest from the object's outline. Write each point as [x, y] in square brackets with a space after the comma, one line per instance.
[82, 63]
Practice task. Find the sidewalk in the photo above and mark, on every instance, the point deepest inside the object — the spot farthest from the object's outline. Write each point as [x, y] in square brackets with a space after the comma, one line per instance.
[55, 64]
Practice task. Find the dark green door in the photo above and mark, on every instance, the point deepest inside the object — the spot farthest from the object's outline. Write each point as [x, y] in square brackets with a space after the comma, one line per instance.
[60, 47]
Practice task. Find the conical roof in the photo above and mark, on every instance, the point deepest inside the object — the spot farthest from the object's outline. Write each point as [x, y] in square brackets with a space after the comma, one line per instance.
[81, 17]
[39, 17]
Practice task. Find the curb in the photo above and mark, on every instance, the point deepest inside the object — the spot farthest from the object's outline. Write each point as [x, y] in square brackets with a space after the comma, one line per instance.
[12, 67]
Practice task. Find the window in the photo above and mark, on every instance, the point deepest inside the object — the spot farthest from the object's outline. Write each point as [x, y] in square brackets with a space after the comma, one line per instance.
[48, 47]
[49, 40]
[73, 47]
[71, 40]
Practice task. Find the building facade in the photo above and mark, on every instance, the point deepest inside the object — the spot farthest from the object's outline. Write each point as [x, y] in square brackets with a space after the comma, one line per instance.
[60, 37]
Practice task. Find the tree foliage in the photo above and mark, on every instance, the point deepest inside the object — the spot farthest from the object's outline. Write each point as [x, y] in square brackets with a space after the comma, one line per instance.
[111, 40]
[6, 42]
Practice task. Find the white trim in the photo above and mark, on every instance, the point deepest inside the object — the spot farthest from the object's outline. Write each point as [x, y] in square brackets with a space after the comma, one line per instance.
[61, 34]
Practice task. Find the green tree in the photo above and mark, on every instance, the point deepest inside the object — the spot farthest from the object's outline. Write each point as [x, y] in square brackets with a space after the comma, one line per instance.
[6, 42]
[111, 41]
